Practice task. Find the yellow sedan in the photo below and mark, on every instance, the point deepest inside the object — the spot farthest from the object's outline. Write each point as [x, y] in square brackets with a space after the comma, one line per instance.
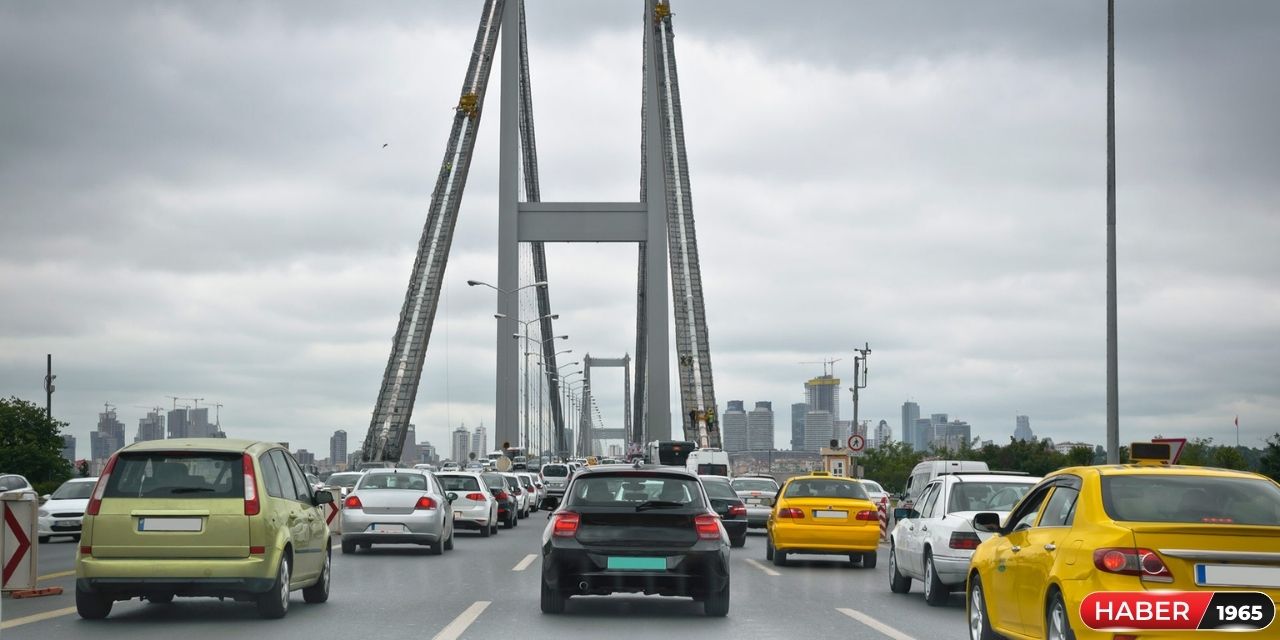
[823, 514]
[1146, 529]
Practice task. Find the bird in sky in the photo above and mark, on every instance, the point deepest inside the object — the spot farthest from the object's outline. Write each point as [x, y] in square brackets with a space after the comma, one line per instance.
[384, 145]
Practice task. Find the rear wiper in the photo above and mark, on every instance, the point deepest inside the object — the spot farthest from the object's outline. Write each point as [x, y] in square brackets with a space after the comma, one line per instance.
[191, 490]
[658, 504]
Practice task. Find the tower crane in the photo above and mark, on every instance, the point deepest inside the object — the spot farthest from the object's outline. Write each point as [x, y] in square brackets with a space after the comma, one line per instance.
[828, 365]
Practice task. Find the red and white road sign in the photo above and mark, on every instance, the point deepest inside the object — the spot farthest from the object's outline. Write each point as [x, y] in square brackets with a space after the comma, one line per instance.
[883, 508]
[17, 540]
[1175, 447]
[333, 517]
[856, 442]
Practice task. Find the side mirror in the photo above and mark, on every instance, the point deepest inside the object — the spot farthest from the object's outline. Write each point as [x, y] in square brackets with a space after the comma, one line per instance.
[45, 498]
[987, 522]
[323, 497]
[902, 513]
[451, 496]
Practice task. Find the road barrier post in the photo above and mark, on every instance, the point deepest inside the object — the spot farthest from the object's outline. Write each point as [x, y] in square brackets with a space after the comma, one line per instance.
[18, 539]
[883, 508]
[333, 516]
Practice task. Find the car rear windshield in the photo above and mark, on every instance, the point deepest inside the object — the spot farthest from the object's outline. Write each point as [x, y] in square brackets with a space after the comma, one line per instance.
[9, 483]
[555, 471]
[719, 489]
[73, 491]
[403, 481]
[177, 474]
[1191, 499]
[344, 479]
[826, 488]
[494, 481]
[754, 484]
[713, 469]
[871, 485]
[986, 496]
[459, 483]
[633, 490]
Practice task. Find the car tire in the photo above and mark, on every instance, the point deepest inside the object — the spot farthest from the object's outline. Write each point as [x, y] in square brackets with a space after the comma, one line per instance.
[43, 539]
[435, 548]
[768, 549]
[869, 559]
[976, 611]
[448, 543]
[319, 592]
[164, 598]
[552, 600]
[274, 603]
[493, 528]
[898, 583]
[779, 558]
[92, 605]
[716, 604]
[738, 543]
[348, 547]
[935, 593]
[507, 524]
[75, 538]
[1057, 624]
[486, 530]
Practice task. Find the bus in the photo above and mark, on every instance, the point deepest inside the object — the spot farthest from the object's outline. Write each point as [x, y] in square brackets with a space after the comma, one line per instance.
[671, 453]
[708, 462]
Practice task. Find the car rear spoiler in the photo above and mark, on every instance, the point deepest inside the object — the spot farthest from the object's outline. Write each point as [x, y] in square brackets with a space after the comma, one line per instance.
[984, 473]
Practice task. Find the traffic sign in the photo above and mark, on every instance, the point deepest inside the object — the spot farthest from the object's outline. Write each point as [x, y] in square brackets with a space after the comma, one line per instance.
[1175, 447]
[17, 538]
[503, 464]
[856, 442]
[333, 517]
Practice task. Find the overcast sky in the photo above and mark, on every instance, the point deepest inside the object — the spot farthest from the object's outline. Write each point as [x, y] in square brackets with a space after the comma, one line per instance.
[195, 201]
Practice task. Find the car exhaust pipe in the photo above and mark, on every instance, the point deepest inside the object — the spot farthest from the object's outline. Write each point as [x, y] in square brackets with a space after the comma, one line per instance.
[583, 586]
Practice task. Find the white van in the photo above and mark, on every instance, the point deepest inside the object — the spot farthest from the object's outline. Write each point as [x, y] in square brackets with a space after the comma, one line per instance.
[708, 462]
[926, 471]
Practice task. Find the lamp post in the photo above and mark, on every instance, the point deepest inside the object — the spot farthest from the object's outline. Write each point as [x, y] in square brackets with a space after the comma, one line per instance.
[527, 339]
[570, 401]
[506, 421]
[543, 379]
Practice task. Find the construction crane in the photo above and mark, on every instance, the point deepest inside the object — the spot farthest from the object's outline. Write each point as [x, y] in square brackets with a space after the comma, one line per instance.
[217, 415]
[828, 365]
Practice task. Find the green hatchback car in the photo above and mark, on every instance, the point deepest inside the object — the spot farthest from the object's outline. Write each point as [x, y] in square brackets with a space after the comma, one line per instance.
[203, 517]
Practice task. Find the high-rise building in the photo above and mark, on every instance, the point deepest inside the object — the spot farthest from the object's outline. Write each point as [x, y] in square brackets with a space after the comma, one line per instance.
[910, 413]
[760, 427]
[823, 394]
[461, 444]
[797, 425]
[818, 427]
[733, 427]
[109, 436]
[1023, 429]
[304, 457]
[884, 435]
[338, 448]
[480, 440]
[178, 423]
[954, 435]
[198, 423]
[427, 453]
[409, 452]
[841, 430]
[150, 427]
[69, 448]
[922, 435]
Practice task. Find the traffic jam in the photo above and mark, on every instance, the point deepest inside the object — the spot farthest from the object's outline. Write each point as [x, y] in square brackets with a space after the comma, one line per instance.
[1144, 550]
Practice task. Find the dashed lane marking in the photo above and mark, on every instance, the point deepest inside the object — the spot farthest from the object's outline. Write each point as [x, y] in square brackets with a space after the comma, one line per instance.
[759, 565]
[39, 617]
[460, 623]
[524, 564]
[56, 575]
[875, 624]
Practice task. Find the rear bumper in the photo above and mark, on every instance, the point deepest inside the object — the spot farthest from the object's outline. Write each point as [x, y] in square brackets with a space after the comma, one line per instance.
[825, 539]
[132, 577]
[690, 572]
[428, 524]
[391, 538]
[758, 516]
[124, 588]
[951, 570]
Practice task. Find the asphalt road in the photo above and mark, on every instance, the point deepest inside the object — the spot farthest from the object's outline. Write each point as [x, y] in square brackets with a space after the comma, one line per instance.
[488, 588]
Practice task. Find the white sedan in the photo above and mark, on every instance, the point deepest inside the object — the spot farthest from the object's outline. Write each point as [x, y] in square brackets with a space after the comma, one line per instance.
[933, 542]
[63, 511]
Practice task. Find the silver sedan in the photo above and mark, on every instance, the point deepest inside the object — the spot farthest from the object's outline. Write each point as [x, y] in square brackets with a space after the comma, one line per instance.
[397, 506]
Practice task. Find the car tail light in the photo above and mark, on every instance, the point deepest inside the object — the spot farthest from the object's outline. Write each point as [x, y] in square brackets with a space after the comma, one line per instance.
[965, 540]
[867, 516]
[737, 510]
[352, 502]
[1132, 562]
[502, 495]
[257, 551]
[566, 524]
[86, 551]
[95, 501]
[790, 513]
[475, 497]
[708, 526]
[252, 506]
[427, 502]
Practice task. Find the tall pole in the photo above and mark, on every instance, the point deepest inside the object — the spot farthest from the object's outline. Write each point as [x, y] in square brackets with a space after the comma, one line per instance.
[1113, 369]
[541, 425]
[48, 387]
[527, 444]
[507, 425]
[859, 382]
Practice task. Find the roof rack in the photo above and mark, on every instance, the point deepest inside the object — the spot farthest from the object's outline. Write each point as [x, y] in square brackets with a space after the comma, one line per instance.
[984, 473]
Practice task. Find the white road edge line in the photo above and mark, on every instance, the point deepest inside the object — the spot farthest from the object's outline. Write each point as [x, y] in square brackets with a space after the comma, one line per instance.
[757, 564]
[39, 617]
[464, 620]
[875, 624]
[524, 564]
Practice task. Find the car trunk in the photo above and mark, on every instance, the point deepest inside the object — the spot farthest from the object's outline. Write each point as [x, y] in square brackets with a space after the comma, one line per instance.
[629, 528]
[757, 498]
[389, 501]
[1214, 556]
[168, 528]
[721, 506]
[832, 511]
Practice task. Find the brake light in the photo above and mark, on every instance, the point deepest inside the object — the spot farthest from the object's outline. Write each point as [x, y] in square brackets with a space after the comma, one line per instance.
[86, 551]
[502, 495]
[252, 506]
[737, 510]
[566, 524]
[1143, 563]
[427, 502]
[965, 540]
[95, 501]
[790, 513]
[708, 526]
[257, 551]
[475, 497]
[352, 502]
[867, 516]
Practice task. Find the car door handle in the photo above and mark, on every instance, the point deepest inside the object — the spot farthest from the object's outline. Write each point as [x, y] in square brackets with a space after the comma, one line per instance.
[1051, 547]
[1015, 548]
[925, 528]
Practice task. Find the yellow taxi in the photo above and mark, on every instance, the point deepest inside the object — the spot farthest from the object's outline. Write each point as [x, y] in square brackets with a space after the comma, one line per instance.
[823, 514]
[1147, 528]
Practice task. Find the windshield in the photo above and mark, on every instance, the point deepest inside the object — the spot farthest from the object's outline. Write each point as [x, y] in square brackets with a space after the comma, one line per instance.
[755, 484]
[177, 474]
[555, 471]
[719, 489]
[73, 491]
[1191, 499]
[402, 481]
[632, 490]
[986, 496]
[826, 488]
[347, 480]
[9, 483]
[459, 483]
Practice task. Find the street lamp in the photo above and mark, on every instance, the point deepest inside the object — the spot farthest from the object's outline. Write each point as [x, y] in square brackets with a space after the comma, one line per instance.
[472, 283]
[526, 323]
[503, 395]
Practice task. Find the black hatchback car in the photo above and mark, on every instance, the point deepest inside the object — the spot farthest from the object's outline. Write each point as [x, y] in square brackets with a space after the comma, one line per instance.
[730, 507]
[643, 529]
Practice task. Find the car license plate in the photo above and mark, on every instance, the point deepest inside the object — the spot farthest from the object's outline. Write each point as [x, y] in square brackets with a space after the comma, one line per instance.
[820, 513]
[1237, 575]
[169, 524]
[66, 523]
[457, 515]
[633, 563]
[387, 528]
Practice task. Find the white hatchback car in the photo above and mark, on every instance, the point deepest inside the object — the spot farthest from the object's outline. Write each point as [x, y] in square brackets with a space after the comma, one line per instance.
[63, 511]
[474, 507]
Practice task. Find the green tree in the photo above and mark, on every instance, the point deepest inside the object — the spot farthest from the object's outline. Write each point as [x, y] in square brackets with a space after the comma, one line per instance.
[1198, 452]
[890, 465]
[1229, 458]
[30, 444]
[1080, 456]
[1269, 464]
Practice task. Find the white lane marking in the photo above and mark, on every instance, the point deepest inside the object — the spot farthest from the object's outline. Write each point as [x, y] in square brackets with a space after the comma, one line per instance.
[39, 617]
[524, 564]
[460, 623]
[58, 574]
[759, 565]
[875, 624]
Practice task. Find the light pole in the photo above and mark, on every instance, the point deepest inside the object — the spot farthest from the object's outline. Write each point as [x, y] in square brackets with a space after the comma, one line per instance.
[567, 387]
[859, 382]
[542, 343]
[506, 421]
[541, 380]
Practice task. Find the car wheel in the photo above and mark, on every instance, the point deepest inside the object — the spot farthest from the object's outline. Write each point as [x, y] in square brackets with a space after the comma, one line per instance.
[1057, 625]
[738, 542]
[869, 559]
[75, 538]
[486, 530]
[435, 548]
[552, 600]
[976, 605]
[319, 592]
[768, 549]
[92, 605]
[779, 558]
[164, 598]
[935, 593]
[448, 543]
[898, 583]
[717, 603]
[275, 602]
[348, 547]
[43, 539]
[493, 528]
